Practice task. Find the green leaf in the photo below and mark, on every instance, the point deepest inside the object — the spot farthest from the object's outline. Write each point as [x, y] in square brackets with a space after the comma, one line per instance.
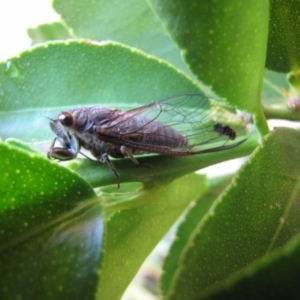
[48, 32]
[51, 229]
[223, 42]
[132, 234]
[278, 102]
[275, 86]
[130, 22]
[58, 75]
[257, 215]
[187, 227]
[283, 53]
[274, 277]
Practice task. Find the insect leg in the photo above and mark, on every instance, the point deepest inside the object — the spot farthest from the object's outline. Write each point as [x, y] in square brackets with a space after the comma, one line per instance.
[62, 149]
[105, 159]
[128, 152]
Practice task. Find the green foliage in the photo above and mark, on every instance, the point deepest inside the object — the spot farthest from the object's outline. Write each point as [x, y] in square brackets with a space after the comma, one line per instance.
[34, 92]
[133, 233]
[48, 234]
[261, 221]
[48, 32]
[67, 233]
[130, 22]
[284, 43]
[212, 41]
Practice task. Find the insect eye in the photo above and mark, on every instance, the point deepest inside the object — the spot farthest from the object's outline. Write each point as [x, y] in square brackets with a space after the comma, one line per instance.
[66, 119]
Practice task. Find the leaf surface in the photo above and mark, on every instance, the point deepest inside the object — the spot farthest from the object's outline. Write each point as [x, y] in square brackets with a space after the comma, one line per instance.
[131, 22]
[51, 229]
[132, 234]
[223, 43]
[255, 216]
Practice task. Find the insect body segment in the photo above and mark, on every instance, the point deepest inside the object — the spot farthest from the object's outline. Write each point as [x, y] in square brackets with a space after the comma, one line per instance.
[177, 126]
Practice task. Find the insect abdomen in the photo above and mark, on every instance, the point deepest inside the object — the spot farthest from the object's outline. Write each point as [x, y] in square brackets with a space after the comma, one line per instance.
[153, 133]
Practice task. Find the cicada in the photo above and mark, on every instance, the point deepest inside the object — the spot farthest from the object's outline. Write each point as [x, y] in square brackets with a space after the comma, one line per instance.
[180, 125]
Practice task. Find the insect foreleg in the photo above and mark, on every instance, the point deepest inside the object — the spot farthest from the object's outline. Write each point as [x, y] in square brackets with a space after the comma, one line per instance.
[105, 159]
[63, 149]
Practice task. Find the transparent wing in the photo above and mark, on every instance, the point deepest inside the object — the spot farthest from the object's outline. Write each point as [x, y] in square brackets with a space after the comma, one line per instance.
[179, 125]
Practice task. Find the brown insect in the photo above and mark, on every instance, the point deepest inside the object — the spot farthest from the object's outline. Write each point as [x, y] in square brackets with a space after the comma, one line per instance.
[181, 125]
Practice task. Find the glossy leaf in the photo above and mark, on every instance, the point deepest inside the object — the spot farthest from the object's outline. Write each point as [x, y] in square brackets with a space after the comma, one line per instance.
[132, 234]
[51, 229]
[187, 227]
[283, 53]
[274, 277]
[131, 22]
[52, 77]
[257, 215]
[57, 76]
[223, 43]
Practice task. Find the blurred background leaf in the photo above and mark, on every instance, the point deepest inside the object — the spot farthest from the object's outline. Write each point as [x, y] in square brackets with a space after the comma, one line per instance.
[131, 22]
[48, 32]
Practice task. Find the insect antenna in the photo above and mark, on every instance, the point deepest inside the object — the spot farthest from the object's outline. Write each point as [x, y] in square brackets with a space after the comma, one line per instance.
[48, 118]
[87, 156]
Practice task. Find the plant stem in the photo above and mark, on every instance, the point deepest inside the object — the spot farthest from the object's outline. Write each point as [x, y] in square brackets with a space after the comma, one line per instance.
[261, 122]
[281, 112]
